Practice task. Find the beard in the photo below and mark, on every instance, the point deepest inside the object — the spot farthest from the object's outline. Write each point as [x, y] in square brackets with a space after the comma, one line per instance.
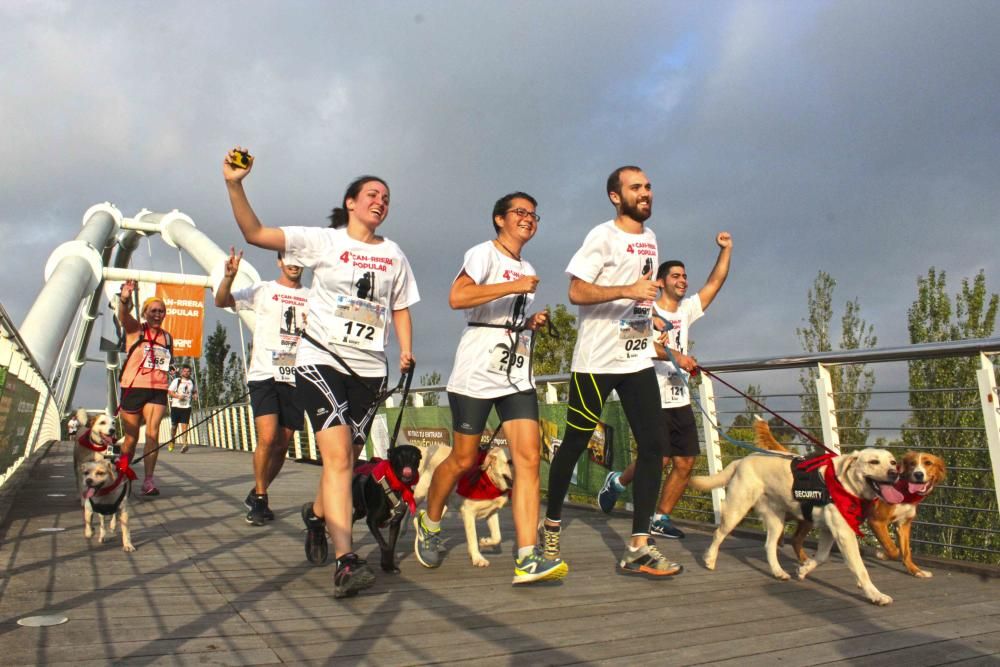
[634, 212]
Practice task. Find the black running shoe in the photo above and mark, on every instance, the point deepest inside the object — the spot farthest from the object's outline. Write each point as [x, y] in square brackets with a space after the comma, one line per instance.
[353, 576]
[259, 513]
[267, 514]
[316, 547]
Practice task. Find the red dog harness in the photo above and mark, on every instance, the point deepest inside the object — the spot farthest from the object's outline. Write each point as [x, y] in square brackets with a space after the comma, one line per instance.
[84, 441]
[126, 475]
[851, 507]
[381, 471]
[477, 485]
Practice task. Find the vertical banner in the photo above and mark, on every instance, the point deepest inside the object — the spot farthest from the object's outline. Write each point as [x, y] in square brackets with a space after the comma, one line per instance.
[185, 317]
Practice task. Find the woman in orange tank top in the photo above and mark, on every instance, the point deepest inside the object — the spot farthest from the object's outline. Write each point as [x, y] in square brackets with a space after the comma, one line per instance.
[144, 378]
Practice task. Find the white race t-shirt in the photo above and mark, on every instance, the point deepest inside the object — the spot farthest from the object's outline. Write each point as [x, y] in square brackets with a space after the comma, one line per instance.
[281, 319]
[480, 368]
[183, 387]
[355, 288]
[673, 390]
[615, 336]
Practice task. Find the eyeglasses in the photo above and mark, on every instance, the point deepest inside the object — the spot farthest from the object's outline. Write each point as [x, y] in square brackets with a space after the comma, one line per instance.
[524, 213]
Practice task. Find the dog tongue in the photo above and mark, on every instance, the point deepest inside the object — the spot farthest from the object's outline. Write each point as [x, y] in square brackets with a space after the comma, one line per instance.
[918, 488]
[890, 494]
[407, 472]
[89, 493]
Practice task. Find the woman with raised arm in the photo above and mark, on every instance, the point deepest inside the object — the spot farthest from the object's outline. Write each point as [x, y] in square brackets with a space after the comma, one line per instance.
[362, 282]
[493, 369]
[144, 379]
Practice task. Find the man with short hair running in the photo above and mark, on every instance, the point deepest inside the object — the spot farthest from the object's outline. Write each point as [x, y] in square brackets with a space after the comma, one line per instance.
[280, 307]
[680, 449]
[611, 282]
[181, 391]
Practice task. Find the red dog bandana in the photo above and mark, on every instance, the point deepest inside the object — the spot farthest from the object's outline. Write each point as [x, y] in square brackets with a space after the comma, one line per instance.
[477, 485]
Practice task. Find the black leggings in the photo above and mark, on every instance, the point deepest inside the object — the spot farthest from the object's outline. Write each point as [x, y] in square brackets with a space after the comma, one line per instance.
[640, 398]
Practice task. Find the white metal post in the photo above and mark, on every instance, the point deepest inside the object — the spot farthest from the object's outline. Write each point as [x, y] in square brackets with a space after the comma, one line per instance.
[551, 393]
[827, 409]
[990, 400]
[713, 452]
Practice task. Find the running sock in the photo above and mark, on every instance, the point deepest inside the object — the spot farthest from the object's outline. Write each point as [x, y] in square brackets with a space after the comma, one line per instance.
[661, 517]
[524, 552]
[618, 486]
[433, 526]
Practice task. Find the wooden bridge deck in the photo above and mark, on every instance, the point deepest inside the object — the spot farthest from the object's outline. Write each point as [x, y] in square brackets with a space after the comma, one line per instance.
[204, 588]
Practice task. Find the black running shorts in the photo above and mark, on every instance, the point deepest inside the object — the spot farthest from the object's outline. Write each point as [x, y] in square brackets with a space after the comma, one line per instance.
[270, 397]
[180, 415]
[468, 414]
[331, 398]
[679, 425]
[134, 399]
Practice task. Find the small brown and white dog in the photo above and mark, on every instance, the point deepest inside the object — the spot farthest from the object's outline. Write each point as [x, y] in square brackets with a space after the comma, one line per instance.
[106, 494]
[480, 494]
[919, 473]
[764, 483]
[91, 444]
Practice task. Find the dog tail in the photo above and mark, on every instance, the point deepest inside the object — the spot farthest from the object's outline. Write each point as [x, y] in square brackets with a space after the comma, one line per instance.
[762, 437]
[716, 481]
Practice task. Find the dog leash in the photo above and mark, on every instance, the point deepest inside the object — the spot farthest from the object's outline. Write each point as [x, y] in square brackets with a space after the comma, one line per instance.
[738, 443]
[196, 425]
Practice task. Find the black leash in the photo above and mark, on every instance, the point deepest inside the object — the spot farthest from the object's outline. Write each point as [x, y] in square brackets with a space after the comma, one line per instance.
[191, 428]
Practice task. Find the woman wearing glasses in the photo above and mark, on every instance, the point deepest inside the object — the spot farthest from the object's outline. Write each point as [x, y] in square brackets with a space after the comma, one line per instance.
[493, 369]
[144, 379]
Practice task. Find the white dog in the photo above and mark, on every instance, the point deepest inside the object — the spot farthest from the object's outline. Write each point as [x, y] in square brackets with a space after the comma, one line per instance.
[764, 483]
[481, 494]
[106, 494]
[91, 444]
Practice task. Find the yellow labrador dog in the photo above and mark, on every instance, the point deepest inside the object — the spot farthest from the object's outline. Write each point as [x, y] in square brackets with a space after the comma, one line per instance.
[764, 483]
[479, 495]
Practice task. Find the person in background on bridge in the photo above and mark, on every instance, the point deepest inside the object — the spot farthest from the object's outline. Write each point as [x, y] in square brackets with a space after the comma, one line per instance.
[341, 368]
[493, 369]
[181, 392]
[144, 381]
[680, 441]
[72, 426]
[271, 376]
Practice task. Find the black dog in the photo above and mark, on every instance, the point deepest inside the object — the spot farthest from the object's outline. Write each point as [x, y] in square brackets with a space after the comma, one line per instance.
[383, 492]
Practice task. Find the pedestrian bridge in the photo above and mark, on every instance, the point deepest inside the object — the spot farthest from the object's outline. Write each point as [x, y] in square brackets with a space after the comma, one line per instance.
[206, 588]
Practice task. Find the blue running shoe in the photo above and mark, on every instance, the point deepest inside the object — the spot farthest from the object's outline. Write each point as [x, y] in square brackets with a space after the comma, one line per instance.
[665, 528]
[427, 545]
[609, 492]
[536, 567]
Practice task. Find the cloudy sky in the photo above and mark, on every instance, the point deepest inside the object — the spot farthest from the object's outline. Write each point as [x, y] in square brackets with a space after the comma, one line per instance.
[858, 138]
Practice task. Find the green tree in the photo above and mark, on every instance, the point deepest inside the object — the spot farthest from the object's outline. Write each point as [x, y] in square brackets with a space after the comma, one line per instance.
[946, 418]
[212, 378]
[553, 354]
[852, 383]
[430, 380]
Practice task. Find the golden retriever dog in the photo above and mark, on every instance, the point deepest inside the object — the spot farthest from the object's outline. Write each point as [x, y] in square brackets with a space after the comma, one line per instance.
[106, 494]
[91, 444]
[919, 473]
[481, 494]
[764, 483]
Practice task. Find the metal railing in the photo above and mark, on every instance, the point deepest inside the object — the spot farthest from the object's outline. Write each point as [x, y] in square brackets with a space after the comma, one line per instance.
[959, 521]
[29, 416]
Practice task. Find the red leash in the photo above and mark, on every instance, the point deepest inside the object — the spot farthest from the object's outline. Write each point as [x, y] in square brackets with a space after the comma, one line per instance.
[760, 405]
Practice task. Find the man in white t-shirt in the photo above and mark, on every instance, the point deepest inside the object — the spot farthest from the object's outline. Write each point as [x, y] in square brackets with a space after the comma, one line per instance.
[611, 280]
[280, 306]
[680, 448]
[181, 391]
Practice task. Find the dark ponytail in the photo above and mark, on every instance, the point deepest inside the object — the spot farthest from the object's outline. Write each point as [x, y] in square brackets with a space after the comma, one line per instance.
[338, 216]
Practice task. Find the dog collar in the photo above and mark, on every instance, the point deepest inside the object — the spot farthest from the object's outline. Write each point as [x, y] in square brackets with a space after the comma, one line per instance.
[84, 441]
